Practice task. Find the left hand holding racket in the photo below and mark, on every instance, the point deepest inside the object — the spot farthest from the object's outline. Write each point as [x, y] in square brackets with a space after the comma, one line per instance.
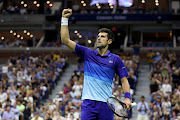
[127, 101]
[118, 107]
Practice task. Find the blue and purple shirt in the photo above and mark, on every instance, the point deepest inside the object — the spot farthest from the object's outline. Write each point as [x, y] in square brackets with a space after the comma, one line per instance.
[99, 72]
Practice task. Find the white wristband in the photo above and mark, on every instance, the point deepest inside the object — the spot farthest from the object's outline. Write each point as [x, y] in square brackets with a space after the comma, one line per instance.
[64, 21]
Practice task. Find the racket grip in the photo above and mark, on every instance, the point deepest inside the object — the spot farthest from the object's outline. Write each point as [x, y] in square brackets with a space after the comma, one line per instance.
[133, 104]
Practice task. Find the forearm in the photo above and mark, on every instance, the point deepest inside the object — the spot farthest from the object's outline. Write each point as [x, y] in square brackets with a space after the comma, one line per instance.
[125, 85]
[64, 34]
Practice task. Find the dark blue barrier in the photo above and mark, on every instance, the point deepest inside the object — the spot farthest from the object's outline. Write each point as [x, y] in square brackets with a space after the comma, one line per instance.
[121, 17]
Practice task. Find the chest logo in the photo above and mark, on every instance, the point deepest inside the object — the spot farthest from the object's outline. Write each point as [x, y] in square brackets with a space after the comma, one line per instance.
[110, 61]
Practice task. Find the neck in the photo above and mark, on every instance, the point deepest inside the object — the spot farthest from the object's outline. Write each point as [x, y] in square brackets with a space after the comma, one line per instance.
[103, 51]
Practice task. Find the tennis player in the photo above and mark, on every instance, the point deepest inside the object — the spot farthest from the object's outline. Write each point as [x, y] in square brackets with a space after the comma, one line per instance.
[100, 67]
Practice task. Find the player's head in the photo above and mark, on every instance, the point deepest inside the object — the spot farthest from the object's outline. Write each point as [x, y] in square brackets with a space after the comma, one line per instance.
[105, 37]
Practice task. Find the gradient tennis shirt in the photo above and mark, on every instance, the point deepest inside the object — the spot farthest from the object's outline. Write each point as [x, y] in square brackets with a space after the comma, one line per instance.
[99, 72]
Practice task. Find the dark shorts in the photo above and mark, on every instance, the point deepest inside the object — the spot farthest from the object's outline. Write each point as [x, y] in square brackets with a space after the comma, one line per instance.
[95, 110]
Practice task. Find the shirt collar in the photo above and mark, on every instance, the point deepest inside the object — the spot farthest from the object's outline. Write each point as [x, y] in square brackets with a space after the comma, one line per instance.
[105, 55]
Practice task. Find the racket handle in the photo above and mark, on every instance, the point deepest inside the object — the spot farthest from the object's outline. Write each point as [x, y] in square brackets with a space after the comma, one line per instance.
[133, 104]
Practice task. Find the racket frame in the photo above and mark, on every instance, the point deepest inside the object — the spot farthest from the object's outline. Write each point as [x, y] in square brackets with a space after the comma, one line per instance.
[123, 104]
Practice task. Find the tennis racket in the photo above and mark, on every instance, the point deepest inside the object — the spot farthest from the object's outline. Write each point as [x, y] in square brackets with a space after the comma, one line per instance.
[118, 107]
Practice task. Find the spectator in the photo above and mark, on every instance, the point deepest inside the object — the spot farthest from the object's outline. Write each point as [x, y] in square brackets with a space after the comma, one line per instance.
[150, 56]
[136, 50]
[57, 116]
[164, 71]
[166, 103]
[8, 115]
[77, 88]
[37, 117]
[132, 80]
[16, 111]
[158, 102]
[47, 117]
[166, 88]
[153, 88]
[156, 113]
[5, 68]
[3, 97]
[157, 58]
[142, 108]
[21, 108]
[12, 92]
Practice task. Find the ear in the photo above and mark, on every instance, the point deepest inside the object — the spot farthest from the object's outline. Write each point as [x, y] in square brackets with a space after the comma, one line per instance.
[109, 41]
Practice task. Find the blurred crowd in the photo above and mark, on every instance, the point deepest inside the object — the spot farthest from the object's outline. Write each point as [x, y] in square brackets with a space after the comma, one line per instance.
[10, 43]
[83, 7]
[23, 7]
[26, 82]
[165, 85]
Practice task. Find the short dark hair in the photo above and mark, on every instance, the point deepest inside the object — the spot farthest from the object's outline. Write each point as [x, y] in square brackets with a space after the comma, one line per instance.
[110, 33]
[142, 97]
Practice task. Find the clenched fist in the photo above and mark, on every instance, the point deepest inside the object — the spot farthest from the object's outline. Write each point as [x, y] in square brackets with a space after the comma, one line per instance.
[66, 13]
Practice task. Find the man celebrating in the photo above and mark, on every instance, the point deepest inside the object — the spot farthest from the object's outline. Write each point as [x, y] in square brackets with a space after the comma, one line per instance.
[100, 67]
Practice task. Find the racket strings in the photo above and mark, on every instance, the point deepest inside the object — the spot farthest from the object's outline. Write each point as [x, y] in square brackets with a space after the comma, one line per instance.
[117, 106]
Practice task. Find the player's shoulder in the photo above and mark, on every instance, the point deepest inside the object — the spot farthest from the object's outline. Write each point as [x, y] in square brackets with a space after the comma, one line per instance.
[83, 47]
[117, 57]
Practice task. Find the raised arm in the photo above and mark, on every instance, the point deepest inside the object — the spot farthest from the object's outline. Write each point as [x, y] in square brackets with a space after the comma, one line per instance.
[66, 13]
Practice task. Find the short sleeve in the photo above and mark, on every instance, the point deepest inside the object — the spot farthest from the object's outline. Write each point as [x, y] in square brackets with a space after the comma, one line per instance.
[80, 51]
[120, 68]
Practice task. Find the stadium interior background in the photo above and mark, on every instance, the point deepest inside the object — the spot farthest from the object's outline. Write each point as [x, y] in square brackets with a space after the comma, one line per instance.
[32, 28]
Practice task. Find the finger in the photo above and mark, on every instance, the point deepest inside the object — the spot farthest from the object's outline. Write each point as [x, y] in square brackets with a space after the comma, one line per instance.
[65, 10]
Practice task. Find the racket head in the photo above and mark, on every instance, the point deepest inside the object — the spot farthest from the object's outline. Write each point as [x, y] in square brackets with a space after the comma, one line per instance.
[118, 107]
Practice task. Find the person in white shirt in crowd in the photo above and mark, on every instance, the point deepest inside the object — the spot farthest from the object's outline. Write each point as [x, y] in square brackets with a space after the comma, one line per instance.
[57, 116]
[77, 89]
[43, 89]
[29, 98]
[142, 108]
[5, 68]
[37, 117]
[12, 92]
[166, 88]
[166, 102]
[51, 105]
[3, 98]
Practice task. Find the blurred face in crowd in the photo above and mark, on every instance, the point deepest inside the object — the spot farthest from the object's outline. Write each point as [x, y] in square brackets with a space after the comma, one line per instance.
[8, 108]
[142, 99]
[14, 105]
[18, 102]
[37, 115]
[155, 108]
[166, 82]
[41, 109]
[158, 100]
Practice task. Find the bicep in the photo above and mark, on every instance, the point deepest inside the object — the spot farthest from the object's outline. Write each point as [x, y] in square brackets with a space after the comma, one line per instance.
[71, 44]
[120, 69]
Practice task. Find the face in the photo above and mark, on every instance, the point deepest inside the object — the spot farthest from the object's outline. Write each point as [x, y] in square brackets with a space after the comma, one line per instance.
[142, 99]
[102, 40]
